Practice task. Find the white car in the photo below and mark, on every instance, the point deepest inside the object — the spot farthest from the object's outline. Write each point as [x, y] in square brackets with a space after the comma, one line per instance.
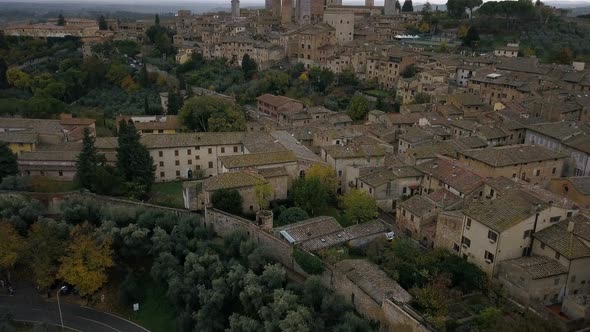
[390, 236]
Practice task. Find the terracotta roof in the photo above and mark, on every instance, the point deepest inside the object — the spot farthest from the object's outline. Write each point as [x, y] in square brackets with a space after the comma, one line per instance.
[309, 229]
[272, 172]
[41, 126]
[178, 140]
[418, 205]
[19, 136]
[77, 121]
[415, 135]
[368, 277]
[276, 101]
[231, 180]
[512, 155]
[567, 244]
[169, 122]
[453, 174]
[582, 184]
[258, 159]
[385, 175]
[49, 156]
[349, 233]
[354, 151]
[505, 211]
[538, 267]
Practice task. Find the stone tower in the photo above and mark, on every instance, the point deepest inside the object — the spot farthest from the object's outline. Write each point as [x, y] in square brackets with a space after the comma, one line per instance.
[235, 8]
[369, 3]
[389, 7]
[286, 11]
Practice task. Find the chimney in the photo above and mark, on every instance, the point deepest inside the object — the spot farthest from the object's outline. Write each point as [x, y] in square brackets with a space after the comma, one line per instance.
[570, 226]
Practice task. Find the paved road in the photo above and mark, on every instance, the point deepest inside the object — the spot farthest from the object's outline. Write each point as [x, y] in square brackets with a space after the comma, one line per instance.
[26, 305]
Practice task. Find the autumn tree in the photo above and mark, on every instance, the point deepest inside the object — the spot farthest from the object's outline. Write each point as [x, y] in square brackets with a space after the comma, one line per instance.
[326, 175]
[359, 206]
[262, 191]
[8, 163]
[11, 246]
[87, 259]
[45, 246]
[358, 108]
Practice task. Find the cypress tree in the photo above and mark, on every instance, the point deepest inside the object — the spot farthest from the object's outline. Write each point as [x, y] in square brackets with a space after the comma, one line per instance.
[134, 162]
[87, 162]
[8, 163]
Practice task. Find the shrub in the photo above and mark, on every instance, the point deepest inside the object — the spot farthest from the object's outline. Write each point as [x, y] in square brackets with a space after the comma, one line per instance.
[308, 262]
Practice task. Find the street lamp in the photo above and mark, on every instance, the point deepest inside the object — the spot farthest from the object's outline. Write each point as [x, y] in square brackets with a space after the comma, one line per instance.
[63, 288]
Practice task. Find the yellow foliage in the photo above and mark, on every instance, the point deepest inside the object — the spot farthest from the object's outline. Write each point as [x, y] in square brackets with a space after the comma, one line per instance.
[326, 174]
[424, 27]
[462, 32]
[161, 81]
[303, 77]
[129, 85]
[11, 245]
[86, 260]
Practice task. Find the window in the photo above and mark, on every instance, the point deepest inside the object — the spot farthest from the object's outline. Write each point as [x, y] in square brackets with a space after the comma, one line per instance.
[210, 164]
[162, 174]
[557, 256]
[492, 236]
[190, 161]
[177, 173]
[411, 217]
[161, 153]
[553, 170]
[466, 242]
[198, 167]
[527, 233]
[222, 150]
[339, 173]
[403, 212]
[468, 223]
[538, 172]
[526, 251]
[161, 164]
[61, 173]
[176, 152]
[554, 219]
[456, 247]
[235, 149]
[489, 257]
[569, 214]
[177, 162]
[542, 246]
[197, 148]
[210, 151]
[188, 152]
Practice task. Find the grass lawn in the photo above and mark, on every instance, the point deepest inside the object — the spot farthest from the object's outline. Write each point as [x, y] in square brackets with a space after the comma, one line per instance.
[378, 93]
[167, 194]
[47, 185]
[156, 313]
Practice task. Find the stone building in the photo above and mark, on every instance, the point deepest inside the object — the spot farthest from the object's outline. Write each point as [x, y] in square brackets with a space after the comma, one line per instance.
[343, 23]
[278, 106]
[20, 141]
[576, 189]
[305, 44]
[531, 163]
[387, 69]
[389, 185]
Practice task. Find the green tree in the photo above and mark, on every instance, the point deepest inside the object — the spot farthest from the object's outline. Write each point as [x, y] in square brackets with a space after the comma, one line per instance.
[134, 162]
[291, 215]
[564, 56]
[102, 23]
[249, 67]
[61, 21]
[196, 112]
[359, 206]
[8, 162]
[144, 78]
[358, 108]
[117, 72]
[18, 78]
[230, 119]
[456, 8]
[311, 195]
[88, 161]
[409, 71]
[471, 4]
[175, 102]
[86, 261]
[407, 6]
[422, 98]
[471, 39]
[3, 70]
[320, 79]
[157, 20]
[308, 262]
[228, 200]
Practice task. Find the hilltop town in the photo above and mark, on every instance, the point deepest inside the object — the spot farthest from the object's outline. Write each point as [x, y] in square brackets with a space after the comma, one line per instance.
[305, 166]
